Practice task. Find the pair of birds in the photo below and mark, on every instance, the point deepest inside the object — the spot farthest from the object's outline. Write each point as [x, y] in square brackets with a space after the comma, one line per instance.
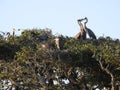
[84, 30]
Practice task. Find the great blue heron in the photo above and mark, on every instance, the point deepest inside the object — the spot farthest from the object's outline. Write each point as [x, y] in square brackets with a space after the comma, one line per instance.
[8, 34]
[59, 42]
[78, 36]
[13, 33]
[82, 33]
[89, 31]
[2, 35]
[2, 32]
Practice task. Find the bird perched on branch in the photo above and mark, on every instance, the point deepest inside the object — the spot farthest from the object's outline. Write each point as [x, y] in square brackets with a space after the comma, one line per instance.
[82, 33]
[89, 31]
[14, 31]
[59, 42]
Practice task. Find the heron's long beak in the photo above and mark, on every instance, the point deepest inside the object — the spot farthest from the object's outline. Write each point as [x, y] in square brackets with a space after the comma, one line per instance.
[79, 20]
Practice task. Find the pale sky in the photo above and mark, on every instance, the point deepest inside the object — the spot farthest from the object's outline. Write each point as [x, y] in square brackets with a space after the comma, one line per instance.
[61, 15]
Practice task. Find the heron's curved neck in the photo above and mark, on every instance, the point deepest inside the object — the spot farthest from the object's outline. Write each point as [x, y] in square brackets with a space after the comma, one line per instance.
[85, 23]
[79, 23]
[81, 26]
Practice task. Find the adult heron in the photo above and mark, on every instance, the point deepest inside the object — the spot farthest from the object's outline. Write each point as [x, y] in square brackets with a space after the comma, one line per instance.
[89, 31]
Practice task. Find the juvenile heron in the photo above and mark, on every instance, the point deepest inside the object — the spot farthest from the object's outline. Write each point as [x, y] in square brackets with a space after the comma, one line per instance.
[82, 33]
[59, 42]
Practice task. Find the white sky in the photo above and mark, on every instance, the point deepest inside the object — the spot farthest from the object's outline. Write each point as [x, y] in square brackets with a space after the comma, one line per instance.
[61, 15]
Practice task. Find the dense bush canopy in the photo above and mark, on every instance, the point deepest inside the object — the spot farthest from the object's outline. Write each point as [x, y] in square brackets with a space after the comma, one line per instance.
[80, 65]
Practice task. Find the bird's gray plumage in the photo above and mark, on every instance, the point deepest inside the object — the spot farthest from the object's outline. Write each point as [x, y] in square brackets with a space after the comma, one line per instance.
[89, 31]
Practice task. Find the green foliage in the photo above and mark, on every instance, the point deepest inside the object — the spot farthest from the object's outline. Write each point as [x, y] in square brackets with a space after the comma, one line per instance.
[83, 63]
[6, 51]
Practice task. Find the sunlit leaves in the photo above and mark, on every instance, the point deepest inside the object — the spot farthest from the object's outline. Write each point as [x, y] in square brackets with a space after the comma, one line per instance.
[28, 63]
